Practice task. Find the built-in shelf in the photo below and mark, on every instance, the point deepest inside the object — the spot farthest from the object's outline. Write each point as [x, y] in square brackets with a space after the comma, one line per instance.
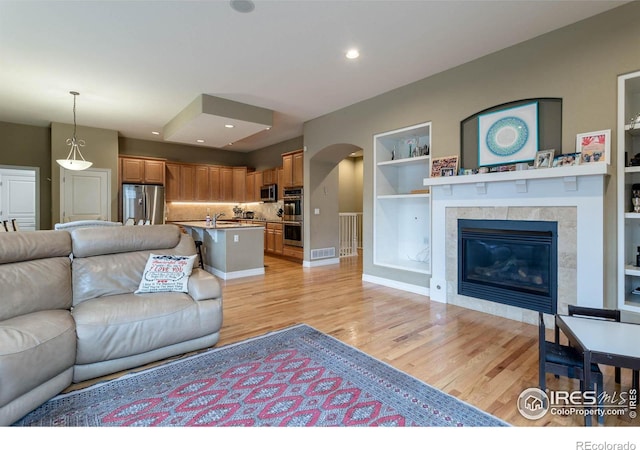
[628, 145]
[402, 208]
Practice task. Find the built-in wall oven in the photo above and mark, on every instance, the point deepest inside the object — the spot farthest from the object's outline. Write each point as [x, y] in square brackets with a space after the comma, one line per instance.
[292, 204]
[292, 216]
[292, 233]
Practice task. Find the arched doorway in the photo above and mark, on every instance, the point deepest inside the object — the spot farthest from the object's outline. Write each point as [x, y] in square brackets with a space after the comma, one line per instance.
[323, 200]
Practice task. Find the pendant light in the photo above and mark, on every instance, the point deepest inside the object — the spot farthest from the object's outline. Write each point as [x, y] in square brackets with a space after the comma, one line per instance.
[75, 160]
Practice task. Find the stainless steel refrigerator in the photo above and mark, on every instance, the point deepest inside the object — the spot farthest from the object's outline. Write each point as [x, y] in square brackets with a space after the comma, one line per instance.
[142, 204]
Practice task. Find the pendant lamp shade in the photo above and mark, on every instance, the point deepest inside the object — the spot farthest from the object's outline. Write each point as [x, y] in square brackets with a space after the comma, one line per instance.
[75, 160]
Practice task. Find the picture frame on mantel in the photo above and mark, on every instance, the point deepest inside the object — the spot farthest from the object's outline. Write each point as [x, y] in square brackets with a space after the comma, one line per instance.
[595, 146]
[445, 166]
[508, 135]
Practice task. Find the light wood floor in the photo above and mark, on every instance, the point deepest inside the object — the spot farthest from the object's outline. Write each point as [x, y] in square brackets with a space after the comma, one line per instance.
[481, 359]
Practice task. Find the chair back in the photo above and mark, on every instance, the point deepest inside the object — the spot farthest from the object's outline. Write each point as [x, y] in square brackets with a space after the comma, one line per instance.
[583, 311]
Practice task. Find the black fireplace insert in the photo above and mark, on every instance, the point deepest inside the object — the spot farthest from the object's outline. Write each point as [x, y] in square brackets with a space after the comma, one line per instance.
[513, 262]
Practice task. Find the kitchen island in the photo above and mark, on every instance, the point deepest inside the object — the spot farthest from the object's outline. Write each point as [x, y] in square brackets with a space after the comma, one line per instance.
[229, 249]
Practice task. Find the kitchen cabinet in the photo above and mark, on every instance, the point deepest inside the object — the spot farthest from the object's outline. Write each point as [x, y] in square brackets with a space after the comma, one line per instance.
[269, 176]
[250, 187]
[259, 181]
[187, 182]
[401, 207]
[142, 171]
[628, 219]
[274, 238]
[226, 184]
[214, 183]
[239, 184]
[293, 252]
[292, 165]
[172, 182]
[202, 190]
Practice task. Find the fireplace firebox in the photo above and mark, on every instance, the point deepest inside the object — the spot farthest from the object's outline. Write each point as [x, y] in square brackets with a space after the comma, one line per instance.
[513, 262]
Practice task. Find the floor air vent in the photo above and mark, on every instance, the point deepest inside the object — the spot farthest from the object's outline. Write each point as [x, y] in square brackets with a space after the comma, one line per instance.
[319, 253]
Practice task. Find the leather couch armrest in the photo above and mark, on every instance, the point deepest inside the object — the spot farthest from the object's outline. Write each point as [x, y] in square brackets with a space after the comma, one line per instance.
[203, 286]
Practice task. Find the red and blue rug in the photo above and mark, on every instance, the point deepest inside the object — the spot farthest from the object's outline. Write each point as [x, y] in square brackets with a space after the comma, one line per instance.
[293, 377]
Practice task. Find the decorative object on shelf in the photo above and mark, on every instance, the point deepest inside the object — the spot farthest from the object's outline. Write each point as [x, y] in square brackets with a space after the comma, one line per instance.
[635, 161]
[75, 160]
[508, 136]
[594, 146]
[446, 166]
[638, 258]
[634, 121]
[544, 158]
[568, 159]
[635, 197]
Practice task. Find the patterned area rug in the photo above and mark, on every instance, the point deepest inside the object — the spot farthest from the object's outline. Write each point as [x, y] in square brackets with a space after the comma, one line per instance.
[293, 377]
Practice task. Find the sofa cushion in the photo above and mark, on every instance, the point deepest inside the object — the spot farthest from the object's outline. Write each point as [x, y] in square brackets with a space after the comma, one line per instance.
[31, 286]
[111, 240]
[31, 245]
[33, 349]
[117, 273]
[127, 324]
[166, 273]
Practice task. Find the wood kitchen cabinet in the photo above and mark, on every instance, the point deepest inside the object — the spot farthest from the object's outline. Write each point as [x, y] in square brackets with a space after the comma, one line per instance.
[269, 176]
[226, 184]
[280, 178]
[292, 165]
[274, 240]
[143, 171]
[259, 182]
[239, 184]
[215, 193]
[202, 191]
[172, 182]
[187, 182]
[250, 187]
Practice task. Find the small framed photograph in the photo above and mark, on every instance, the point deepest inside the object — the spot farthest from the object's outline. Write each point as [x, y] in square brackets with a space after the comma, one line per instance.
[446, 166]
[568, 159]
[544, 158]
[594, 146]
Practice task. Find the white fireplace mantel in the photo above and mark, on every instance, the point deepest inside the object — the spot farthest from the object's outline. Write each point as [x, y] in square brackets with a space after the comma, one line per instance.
[581, 187]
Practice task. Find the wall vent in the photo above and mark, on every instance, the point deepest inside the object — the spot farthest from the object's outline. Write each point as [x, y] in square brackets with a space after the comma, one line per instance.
[319, 253]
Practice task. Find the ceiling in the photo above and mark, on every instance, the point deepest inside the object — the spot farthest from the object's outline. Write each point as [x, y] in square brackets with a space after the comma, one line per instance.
[139, 64]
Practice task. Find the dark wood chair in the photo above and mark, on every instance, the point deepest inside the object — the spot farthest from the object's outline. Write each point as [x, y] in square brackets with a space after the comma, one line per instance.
[607, 314]
[564, 361]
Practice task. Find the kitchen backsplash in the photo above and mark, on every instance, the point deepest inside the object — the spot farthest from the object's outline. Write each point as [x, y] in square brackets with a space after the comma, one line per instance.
[176, 212]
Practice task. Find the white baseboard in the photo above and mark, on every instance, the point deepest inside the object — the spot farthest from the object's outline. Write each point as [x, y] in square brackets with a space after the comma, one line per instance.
[237, 274]
[420, 290]
[320, 262]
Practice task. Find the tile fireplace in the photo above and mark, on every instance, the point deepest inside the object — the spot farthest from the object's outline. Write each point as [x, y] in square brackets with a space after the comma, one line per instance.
[572, 197]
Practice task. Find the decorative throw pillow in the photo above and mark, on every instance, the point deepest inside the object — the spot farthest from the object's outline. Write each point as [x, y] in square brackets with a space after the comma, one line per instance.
[166, 273]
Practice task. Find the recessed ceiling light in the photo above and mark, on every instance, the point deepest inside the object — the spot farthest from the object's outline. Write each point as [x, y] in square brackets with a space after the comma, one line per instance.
[200, 141]
[352, 54]
[229, 125]
[157, 133]
[243, 6]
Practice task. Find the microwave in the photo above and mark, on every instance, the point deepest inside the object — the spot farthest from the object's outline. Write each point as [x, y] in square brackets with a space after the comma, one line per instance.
[269, 193]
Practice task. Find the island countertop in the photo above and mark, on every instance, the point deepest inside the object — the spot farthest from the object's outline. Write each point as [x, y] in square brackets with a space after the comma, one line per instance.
[220, 225]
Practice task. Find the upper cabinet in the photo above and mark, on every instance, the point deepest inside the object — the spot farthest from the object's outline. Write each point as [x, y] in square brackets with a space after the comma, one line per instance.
[142, 171]
[402, 207]
[292, 166]
[628, 130]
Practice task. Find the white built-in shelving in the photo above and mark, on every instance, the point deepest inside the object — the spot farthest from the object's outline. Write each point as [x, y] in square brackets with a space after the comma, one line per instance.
[402, 205]
[628, 220]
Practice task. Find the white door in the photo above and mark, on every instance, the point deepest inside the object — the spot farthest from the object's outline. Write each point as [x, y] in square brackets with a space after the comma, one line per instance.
[85, 195]
[18, 197]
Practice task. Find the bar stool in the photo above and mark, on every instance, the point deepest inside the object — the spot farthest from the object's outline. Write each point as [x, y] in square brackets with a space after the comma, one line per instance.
[199, 248]
[15, 225]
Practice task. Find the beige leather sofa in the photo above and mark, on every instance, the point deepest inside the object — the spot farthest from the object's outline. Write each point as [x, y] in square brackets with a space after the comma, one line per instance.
[68, 312]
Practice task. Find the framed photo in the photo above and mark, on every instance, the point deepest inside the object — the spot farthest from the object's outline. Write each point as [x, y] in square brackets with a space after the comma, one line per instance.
[446, 166]
[544, 159]
[568, 159]
[508, 136]
[595, 146]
